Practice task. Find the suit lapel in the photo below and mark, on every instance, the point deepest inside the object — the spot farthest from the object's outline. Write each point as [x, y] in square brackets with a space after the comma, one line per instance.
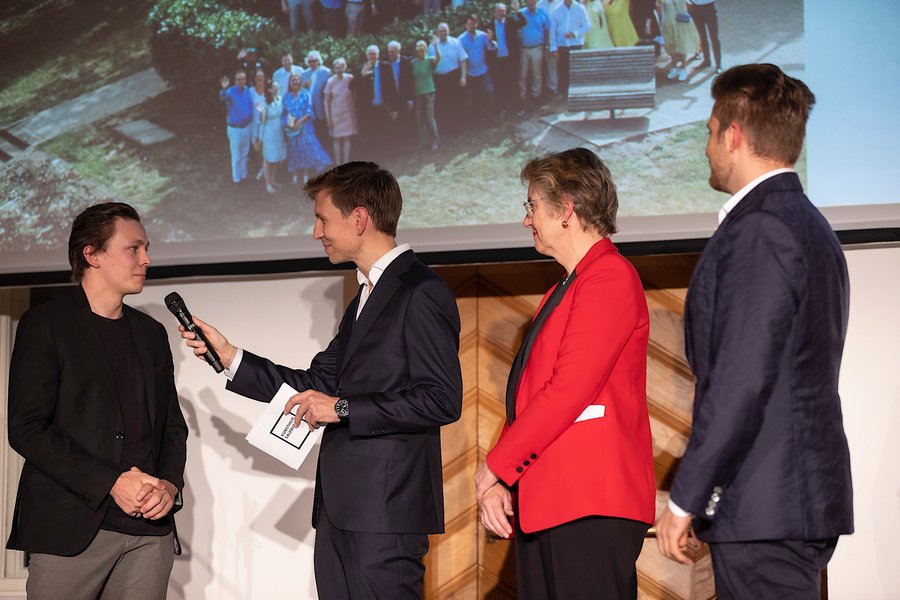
[346, 329]
[380, 297]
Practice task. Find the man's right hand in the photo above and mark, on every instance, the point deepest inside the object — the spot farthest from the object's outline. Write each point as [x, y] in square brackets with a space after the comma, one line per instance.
[127, 487]
[224, 83]
[225, 350]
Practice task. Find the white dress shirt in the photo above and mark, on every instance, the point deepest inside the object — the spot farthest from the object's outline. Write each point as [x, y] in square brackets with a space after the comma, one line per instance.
[568, 19]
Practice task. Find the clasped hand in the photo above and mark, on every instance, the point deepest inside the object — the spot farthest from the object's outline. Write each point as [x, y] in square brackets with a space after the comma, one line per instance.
[494, 500]
[141, 495]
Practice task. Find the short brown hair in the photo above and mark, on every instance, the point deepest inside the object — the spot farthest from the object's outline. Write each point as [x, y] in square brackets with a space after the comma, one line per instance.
[581, 174]
[361, 184]
[94, 227]
[771, 108]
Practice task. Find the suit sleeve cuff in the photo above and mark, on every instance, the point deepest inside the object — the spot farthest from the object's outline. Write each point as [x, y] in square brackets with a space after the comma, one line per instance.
[677, 510]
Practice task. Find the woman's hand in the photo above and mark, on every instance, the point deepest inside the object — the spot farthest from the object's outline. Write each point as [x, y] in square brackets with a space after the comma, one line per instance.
[496, 509]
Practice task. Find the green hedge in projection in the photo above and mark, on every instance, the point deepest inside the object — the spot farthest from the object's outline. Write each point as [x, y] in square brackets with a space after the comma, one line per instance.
[196, 42]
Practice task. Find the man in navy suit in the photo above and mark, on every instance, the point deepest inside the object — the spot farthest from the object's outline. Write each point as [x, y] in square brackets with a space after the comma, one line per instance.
[318, 75]
[383, 387]
[766, 473]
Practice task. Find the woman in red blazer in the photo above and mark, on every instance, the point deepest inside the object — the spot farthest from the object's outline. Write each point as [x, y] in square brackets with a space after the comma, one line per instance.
[573, 467]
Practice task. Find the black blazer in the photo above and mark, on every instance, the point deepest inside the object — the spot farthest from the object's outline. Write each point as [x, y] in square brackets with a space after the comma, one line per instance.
[765, 320]
[511, 26]
[363, 88]
[405, 92]
[380, 471]
[65, 420]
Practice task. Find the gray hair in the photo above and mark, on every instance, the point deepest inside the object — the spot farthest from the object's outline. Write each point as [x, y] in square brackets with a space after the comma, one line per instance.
[341, 60]
[394, 44]
[373, 48]
[314, 54]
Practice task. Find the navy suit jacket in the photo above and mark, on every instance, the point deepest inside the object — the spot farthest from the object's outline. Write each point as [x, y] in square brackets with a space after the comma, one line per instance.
[380, 470]
[66, 421]
[765, 320]
[318, 95]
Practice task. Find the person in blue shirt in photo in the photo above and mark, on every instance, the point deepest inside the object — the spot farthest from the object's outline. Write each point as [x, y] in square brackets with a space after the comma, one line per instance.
[532, 37]
[240, 117]
[479, 86]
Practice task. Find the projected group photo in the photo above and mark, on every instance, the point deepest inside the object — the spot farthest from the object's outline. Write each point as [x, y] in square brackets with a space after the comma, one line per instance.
[208, 116]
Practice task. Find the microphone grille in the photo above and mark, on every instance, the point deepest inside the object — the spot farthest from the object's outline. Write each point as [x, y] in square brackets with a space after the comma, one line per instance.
[173, 299]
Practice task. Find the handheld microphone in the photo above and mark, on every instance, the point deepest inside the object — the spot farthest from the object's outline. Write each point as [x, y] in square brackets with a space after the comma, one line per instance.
[178, 308]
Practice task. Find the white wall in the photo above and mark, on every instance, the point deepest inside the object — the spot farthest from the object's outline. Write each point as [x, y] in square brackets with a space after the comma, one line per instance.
[866, 565]
[245, 525]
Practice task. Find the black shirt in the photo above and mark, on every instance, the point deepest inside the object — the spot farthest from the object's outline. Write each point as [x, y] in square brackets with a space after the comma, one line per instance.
[137, 441]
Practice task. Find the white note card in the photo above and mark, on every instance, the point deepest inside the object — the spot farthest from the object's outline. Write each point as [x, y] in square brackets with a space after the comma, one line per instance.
[274, 432]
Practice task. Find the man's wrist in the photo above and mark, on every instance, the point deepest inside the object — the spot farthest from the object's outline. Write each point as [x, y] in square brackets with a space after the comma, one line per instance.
[342, 408]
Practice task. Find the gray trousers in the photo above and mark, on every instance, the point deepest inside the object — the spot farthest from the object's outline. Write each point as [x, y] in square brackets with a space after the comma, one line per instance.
[115, 566]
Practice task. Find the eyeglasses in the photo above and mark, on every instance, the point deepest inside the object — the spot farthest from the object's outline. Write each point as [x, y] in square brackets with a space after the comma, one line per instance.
[529, 208]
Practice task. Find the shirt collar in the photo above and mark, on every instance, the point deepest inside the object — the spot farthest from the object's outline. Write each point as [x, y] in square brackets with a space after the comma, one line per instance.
[379, 266]
[741, 193]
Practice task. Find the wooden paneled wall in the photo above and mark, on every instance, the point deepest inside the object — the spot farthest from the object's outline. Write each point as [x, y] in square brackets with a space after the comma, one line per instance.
[496, 304]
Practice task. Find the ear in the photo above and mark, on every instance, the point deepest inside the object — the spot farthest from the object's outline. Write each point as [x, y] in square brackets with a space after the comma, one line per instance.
[734, 137]
[361, 217]
[568, 210]
[90, 256]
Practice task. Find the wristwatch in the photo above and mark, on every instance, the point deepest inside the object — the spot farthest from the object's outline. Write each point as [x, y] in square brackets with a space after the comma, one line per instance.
[342, 408]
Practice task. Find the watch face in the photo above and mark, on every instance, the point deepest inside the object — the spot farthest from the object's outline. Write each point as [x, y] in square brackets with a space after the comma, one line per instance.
[342, 407]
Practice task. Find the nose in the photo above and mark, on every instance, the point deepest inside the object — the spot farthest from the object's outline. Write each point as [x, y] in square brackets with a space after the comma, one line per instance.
[318, 231]
[145, 257]
[527, 221]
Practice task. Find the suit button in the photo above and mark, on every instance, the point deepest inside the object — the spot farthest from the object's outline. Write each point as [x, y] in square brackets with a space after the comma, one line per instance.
[533, 456]
[519, 469]
[710, 511]
[526, 462]
[715, 497]
[120, 435]
[340, 392]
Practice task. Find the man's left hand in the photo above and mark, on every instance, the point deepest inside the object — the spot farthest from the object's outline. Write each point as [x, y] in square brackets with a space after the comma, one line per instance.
[484, 479]
[673, 536]
[313, 407]
[157, 501]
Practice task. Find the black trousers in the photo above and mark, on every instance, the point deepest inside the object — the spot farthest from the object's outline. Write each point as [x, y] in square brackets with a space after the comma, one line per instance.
[780, 569]
[355, 565]
[449, 102]
[706, 20]
[590, 558]
[505, 73]
[562, 69]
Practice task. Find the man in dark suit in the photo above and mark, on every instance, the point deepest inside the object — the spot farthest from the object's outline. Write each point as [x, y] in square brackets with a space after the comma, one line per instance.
[383, 386]
[766, 474]
[504, 58]
[94, 412]
[400, 112]
[375, 99]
